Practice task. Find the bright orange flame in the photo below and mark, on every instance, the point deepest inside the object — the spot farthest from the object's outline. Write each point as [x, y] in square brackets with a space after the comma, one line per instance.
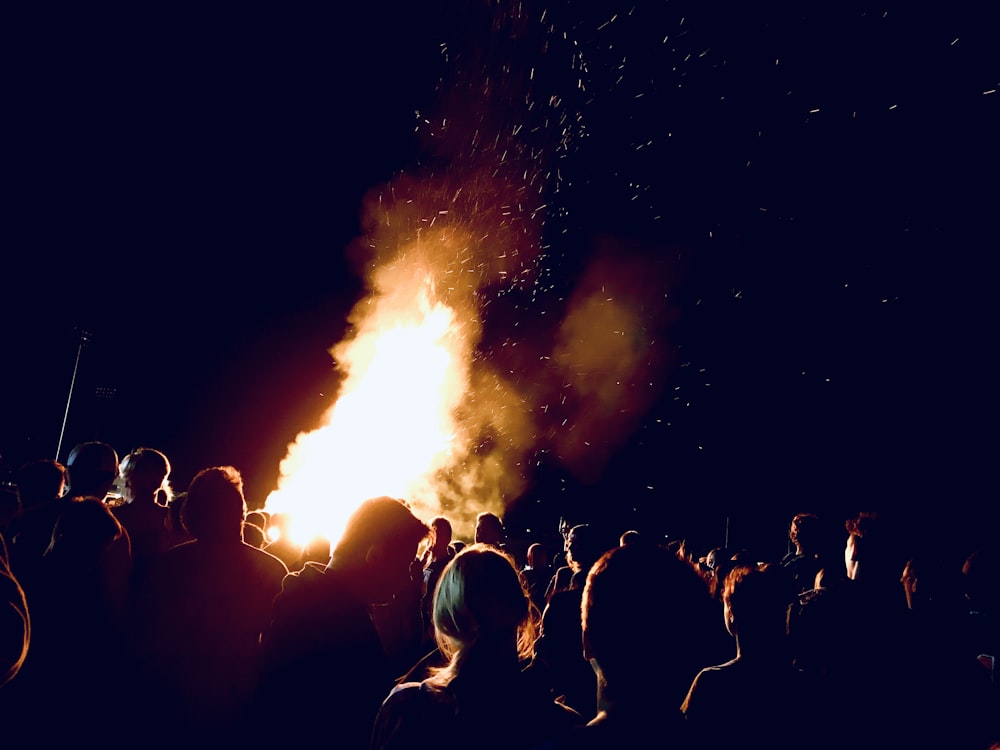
[392, 427]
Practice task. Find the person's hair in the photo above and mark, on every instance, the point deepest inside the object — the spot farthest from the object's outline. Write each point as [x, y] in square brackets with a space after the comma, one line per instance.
[480, 603]
[91, 468]
[805, 530]
[39, 481]
[379, 520]
[150, 469]
[215, 506]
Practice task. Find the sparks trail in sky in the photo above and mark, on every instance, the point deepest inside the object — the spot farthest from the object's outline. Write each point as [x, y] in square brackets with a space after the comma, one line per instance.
[461, 238]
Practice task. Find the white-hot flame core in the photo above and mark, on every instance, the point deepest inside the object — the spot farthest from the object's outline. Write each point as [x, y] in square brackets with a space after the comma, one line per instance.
[391, 429]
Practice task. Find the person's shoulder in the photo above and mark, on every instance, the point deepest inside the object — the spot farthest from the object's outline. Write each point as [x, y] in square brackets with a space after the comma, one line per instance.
[313, 587]
[710, 678]
[412, 713]
[265, 559]
[407, 693]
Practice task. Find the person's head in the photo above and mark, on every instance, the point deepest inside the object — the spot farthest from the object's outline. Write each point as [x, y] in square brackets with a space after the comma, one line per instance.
[490, 530]
[643, 609]
[255, 529]
[379, 542]
[441, 535]
[215, 507]
[583, 547]
[482, 613]
[629, 537]
[804, 532]
[537, 556]
[91, 469]
[40, 481]
[869, 551]
[755, 603]
[144, 474]
[981, 580]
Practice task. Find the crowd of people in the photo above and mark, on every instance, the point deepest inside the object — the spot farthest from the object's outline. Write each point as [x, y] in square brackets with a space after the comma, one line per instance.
[134, 614]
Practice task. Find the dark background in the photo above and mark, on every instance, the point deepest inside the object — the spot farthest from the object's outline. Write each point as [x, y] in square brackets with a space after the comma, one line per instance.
[181, 186]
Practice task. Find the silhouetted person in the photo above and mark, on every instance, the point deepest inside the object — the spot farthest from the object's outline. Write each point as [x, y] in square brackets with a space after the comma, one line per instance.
[582, 546]
[536, 573]
[481, 698]
[145, 484]
[91, 470]
[807, 535]
[981, 629]
[758, 698]
[490, 530]
[326, 672]
[437, 556]
[981, 587]
[856, 632]
[199, 611]
[558, 658]
[76, 657]
[645, 615]
[39, 482]
[255, 530]
[953, 695]
[400, 623]
[41, 486]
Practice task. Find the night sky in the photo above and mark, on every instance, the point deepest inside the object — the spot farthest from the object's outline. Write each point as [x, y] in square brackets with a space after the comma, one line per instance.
[813, 188]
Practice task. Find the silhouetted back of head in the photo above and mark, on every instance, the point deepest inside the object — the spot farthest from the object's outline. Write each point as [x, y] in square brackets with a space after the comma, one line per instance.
[214, 507]
[629, 537]
[481, 607]
[378, 521]
[92, 468]
[538, 555]
[144, 471]
[644, 610]
[490, 530]
[40, 481]
[756, 602]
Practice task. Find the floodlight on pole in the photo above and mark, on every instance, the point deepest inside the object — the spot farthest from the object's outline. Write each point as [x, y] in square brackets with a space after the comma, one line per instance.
[85, 337]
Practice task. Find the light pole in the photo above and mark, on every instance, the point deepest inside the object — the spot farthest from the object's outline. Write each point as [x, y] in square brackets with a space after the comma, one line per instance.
[85, 337]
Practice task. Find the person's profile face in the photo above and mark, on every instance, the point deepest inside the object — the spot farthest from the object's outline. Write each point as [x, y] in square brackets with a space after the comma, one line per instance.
[850, 557]
[390, 573]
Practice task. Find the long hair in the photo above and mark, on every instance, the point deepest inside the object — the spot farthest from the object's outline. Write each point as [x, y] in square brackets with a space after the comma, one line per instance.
[482, 611]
